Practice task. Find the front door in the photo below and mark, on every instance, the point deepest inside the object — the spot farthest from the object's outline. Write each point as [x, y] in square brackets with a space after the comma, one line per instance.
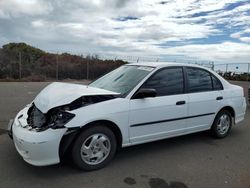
[161, 116]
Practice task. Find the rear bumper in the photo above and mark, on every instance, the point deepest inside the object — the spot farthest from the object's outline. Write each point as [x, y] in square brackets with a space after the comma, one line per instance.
[36, 148]
[240, 116]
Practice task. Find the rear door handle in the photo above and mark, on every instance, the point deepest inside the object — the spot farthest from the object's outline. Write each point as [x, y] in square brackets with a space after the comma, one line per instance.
[180, 102]
[219, 98]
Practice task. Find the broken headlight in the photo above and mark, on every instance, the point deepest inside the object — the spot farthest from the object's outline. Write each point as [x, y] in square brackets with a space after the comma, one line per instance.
[56, 118]
[59, 118]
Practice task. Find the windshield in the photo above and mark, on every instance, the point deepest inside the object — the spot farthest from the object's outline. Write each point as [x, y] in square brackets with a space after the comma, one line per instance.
[123, 79]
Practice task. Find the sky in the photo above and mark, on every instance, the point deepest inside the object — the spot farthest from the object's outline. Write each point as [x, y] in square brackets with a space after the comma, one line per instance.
[195, 30]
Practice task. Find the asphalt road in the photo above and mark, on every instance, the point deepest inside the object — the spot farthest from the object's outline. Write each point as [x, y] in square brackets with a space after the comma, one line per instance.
[193, 161]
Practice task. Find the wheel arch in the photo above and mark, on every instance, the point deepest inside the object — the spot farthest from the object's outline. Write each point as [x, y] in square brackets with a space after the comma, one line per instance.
[229, 109]
[68, 139]
[109, 124]
[214, 130]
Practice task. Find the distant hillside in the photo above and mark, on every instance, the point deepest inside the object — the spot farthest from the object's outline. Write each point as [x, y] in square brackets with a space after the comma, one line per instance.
[38, 65]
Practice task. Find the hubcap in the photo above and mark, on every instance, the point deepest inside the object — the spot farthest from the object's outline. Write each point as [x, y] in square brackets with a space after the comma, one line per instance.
[95, 149]
[223, 124]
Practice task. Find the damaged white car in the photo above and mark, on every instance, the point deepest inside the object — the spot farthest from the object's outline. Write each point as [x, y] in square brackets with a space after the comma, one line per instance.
[134, 104]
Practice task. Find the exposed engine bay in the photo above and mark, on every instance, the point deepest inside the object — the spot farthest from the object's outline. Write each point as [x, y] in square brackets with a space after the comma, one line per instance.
[57, 117]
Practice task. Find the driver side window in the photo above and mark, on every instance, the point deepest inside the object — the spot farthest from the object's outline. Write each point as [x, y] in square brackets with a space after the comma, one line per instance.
[168, 81]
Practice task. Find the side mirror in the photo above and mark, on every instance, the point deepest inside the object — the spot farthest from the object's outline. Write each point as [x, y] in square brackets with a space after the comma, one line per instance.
[144, 93]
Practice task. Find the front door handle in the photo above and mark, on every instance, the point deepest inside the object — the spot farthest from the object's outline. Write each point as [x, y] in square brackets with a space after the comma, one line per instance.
[180, 102]
[219, 98]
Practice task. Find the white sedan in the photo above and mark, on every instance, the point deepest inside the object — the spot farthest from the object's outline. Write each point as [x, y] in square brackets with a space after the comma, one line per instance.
[134, 104]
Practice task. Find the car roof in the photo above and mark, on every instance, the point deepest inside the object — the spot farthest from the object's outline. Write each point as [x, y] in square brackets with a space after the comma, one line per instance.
[164, 64]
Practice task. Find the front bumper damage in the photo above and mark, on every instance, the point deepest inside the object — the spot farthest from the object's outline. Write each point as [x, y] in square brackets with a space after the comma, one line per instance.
[36, 148]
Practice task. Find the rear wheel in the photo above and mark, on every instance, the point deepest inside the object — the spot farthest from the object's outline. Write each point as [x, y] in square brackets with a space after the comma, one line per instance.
[222, 124]
[94, 148]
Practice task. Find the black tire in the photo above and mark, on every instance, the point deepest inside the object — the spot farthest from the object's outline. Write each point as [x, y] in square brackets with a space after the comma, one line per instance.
[83, 139]
[215, 127]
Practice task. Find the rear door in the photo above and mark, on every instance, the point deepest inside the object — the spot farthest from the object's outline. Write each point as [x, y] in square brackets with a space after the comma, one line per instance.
[161, 116]
[204, 92]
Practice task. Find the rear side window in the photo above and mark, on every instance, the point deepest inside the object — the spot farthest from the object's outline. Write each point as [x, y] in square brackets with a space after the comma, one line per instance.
[168, 81]
[198, 80]
[216, 83]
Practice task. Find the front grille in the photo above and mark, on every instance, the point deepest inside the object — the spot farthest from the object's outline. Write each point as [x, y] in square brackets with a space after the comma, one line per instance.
[36, 119]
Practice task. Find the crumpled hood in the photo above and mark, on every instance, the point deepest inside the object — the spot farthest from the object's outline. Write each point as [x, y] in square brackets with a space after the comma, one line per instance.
[58, 94]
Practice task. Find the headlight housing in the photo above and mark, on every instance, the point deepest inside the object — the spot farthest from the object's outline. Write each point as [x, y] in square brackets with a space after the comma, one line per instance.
[59, 118]
[56, 118]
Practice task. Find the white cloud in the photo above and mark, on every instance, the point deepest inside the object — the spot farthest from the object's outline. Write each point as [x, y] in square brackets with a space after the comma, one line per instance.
[228, 52]
[245, 39]
[13, 8]
[38, 23]
[3, 15]
[96, 26]
[240, 35]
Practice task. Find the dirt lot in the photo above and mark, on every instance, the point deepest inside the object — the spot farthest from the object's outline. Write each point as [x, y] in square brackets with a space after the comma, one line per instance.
[192, 161]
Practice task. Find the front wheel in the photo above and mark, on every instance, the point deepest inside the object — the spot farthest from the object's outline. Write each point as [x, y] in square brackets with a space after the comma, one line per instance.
[94, 148]
[222, 124]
